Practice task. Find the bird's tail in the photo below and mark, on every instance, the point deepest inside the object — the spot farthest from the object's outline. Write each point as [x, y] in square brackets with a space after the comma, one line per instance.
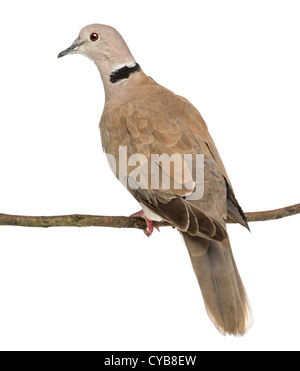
[221, 285]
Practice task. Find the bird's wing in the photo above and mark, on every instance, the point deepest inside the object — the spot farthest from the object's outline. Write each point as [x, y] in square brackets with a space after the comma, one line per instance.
[234, 210]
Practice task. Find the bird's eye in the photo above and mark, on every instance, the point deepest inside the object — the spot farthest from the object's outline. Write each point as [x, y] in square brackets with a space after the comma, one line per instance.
[94, 36]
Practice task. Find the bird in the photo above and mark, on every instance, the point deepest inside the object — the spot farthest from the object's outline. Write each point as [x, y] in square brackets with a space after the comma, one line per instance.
[147, 123]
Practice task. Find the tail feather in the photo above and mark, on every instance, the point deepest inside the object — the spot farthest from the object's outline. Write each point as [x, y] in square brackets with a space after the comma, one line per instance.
[222, 288]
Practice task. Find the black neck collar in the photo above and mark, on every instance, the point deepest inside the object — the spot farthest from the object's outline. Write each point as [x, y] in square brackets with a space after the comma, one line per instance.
[123, 73]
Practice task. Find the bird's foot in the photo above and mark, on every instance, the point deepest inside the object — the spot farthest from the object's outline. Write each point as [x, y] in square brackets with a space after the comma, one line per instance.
[150, 227]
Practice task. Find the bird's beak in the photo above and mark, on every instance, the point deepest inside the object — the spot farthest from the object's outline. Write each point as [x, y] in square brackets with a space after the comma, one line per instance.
[72, 49]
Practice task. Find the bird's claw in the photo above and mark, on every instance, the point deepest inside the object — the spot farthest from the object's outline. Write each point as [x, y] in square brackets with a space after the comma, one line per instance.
[150, 227]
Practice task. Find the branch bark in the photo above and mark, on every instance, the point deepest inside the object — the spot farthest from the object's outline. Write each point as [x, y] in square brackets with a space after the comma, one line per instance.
[123, 221]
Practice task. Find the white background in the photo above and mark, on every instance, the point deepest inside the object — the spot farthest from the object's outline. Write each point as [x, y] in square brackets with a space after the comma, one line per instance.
[106, 289]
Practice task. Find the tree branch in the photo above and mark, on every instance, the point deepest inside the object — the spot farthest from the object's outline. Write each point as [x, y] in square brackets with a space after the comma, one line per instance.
[123, 221]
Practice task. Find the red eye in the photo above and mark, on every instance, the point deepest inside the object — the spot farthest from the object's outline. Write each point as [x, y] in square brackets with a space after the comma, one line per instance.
[94, 36]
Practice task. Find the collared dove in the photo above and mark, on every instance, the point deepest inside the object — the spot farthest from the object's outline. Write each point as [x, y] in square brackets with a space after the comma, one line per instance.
[146, 121]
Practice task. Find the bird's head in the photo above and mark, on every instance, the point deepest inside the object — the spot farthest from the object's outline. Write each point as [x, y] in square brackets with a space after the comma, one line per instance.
[103, 44]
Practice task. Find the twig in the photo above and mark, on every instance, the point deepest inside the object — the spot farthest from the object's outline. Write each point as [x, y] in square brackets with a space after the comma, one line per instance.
[123, 221]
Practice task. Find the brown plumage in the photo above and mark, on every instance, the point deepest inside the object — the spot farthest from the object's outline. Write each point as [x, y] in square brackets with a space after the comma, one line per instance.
[148, 120]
